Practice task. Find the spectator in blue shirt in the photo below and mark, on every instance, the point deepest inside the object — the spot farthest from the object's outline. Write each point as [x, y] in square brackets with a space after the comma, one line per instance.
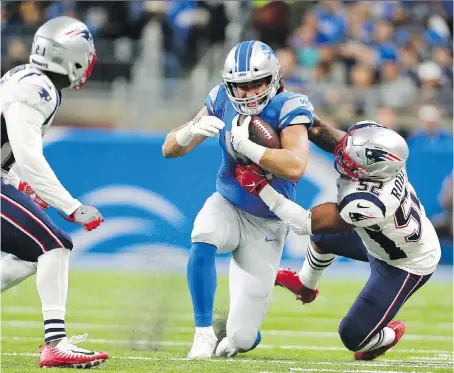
[432, 137]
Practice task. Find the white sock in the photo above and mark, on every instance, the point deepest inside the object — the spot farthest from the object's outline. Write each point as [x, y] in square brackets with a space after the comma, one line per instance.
[383, 338]
[313, 267]
[204, 330]
[14, 270]
[52, 284]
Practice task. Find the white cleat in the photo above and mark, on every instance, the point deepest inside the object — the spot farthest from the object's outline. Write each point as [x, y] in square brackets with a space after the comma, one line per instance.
[224, 349]
[203, 346]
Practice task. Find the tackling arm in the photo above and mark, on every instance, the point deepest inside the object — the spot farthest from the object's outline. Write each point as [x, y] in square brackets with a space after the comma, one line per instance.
[324, 218]
[325, 136]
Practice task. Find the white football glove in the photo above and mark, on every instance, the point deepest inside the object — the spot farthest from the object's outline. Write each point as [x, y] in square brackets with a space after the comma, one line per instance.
[239, 133]
[207, 125]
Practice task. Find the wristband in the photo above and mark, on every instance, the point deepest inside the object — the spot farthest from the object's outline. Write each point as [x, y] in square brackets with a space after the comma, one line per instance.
[183, 136]
[251, 150]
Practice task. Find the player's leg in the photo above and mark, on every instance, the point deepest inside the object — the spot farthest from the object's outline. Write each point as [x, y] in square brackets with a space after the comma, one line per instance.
[14, 270]
[367, 329]
[320, 254]
[216, 229]
[29, 234]
[253, 269]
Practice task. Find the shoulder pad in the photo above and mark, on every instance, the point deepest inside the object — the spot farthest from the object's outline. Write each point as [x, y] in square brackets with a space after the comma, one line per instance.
[362, 209]
[210, 101]
[296, 109]
[37, 93]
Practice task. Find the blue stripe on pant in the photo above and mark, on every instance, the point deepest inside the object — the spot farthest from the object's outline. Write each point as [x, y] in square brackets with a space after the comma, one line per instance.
[26, 231]
[386, 290]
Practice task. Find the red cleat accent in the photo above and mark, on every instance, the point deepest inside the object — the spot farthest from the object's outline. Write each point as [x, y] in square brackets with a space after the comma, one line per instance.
[399, 329]
[66, 354]
[289, 279]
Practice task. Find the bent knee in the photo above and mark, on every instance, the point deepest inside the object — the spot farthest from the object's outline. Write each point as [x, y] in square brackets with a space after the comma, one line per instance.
[351, 333]
[243, 339]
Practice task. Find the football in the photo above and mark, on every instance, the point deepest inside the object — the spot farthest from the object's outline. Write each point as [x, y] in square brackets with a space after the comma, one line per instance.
[262, 133]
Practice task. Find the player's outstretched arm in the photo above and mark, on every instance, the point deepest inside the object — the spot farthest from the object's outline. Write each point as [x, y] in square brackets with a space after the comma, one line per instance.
[324, 136]
[323, 218]
[182, 140]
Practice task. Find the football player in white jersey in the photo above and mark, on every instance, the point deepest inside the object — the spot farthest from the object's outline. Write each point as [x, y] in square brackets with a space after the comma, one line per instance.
[62, 56]
[233, 220]
[378, 218]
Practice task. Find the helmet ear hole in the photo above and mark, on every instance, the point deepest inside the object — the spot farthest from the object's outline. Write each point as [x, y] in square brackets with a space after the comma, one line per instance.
[255, 69]
[78, 65]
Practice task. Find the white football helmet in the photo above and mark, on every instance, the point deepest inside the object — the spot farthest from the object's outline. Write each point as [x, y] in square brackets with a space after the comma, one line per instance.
[246, 62]
[370, 151]
[64, 46]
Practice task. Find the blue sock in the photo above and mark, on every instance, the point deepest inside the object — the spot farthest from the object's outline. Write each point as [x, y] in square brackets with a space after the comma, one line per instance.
[256, 343]
[201, 274]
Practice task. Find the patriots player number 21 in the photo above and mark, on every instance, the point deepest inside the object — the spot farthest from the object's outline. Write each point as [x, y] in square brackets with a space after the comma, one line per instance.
[63, 56]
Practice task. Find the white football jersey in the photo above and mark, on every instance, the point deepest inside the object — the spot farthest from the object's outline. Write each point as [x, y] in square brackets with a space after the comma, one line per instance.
[29, 85]
[391, 222]
[28, 103]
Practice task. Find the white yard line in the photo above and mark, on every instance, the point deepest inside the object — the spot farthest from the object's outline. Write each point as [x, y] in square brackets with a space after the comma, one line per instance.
[144, 315]
[287, 333]
[262, 346]
[349, 371]
[240, 361]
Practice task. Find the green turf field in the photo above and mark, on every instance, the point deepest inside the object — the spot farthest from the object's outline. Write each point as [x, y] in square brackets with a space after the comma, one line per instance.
[145, 323]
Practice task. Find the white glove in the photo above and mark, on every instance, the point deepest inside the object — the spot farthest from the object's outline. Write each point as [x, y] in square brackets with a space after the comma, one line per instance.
[239, 133]
[207, 125]
[239, 137]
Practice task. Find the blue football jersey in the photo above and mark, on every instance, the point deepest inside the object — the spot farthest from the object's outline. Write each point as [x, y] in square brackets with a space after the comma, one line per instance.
[282, 110]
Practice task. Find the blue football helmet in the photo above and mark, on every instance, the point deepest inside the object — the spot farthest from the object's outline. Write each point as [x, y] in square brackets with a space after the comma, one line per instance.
[246, 62]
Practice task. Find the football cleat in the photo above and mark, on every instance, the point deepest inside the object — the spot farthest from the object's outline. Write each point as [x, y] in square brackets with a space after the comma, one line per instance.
[289, 279]
[399, 329]
[224, 349]
[66, 354]
[203, 346]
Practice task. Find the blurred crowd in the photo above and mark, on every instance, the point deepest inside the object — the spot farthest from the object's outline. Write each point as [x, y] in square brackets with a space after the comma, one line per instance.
[391, 60]
[382, 59]
[185, 26]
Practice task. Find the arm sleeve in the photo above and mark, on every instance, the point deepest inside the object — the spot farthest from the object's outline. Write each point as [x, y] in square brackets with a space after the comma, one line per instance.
[362, 209]
[23, 124]
[296, 110]
[210, 101]
[296, 217]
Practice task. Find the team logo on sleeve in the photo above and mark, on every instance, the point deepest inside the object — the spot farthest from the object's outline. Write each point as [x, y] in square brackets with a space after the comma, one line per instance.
[378, 155]
[357, 216]
[43, 93]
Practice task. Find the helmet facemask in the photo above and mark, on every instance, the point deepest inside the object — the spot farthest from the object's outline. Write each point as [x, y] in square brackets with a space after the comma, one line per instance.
[77, 80]
[344, 164]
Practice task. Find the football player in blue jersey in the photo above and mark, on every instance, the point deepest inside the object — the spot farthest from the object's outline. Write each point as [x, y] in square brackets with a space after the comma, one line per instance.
[233, 220]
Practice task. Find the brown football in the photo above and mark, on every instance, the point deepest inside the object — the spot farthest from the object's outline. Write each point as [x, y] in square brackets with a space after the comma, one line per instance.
[262, 133]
